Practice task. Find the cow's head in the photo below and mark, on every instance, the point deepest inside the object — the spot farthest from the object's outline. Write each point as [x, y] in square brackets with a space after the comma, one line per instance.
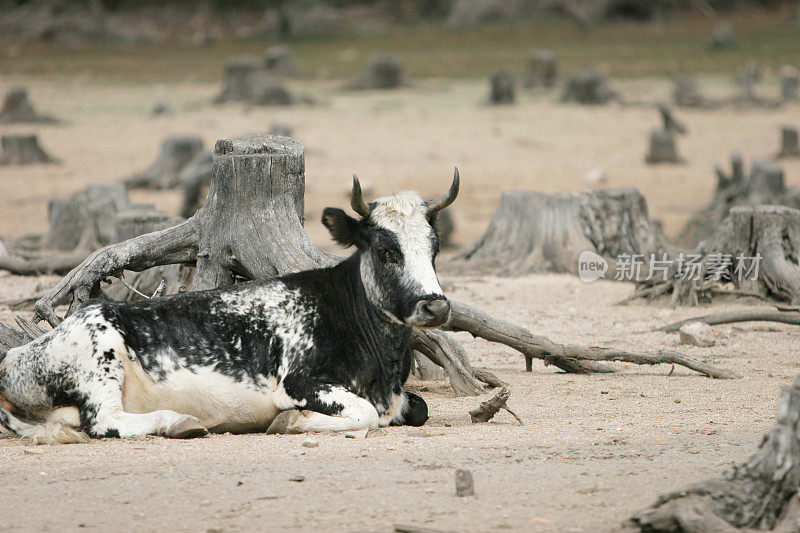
[398, 243]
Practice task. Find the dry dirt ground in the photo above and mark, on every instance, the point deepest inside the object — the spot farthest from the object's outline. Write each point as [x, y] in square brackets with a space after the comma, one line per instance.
[592, 448]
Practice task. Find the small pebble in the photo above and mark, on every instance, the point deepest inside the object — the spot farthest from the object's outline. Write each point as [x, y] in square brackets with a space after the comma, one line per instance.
[310, 443]
[298, 479]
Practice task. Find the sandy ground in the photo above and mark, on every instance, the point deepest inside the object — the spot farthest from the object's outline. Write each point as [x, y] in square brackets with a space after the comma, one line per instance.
[592, 448]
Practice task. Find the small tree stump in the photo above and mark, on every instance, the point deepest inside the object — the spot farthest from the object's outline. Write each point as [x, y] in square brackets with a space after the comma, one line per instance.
[662, 148]
[175, 153]
[464, 483]
[542, 69]
[94, 207]
[589, 86]
[280, 61]
[759, 494]
[17, 108]
[721, 37]
[383, 72]
[501, 88]
[272, 93]
[22, 150]
[790, 84]
[446, 226]
[686, 93]
[138, 220]
[240, 78]
[535, 232]
[790, 147]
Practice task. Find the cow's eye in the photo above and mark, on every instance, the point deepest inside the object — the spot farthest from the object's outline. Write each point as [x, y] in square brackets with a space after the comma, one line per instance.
[388, 256]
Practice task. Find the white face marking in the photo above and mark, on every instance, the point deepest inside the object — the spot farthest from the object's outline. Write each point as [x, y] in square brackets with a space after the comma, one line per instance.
[406, 215]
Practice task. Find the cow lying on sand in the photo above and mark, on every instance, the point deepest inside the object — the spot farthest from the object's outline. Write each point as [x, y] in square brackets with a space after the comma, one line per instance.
[322, 350]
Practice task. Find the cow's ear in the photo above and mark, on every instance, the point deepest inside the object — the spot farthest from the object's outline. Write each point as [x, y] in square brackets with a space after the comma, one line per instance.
[344, 229]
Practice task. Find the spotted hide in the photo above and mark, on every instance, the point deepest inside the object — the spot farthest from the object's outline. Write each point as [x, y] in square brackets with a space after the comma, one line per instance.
[321, 350]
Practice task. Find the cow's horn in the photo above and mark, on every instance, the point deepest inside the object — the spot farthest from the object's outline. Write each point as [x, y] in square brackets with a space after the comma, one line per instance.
[357, 200]
[437, 205]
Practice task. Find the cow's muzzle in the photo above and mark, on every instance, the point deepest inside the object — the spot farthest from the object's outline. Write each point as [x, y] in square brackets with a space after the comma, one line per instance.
[430, 313]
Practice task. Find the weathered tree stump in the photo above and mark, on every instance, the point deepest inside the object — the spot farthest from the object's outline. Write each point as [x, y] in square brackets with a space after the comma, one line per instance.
[195, 178]
[383, 72]
[264, 177]
[272, 93]
[759, 494]
[755, 251]
[280, 129]
[790, 84]
[502, 88]
[94, 207]
[17, 108]
[662, 148]
[535, 232]
[446, 226]
[721, 37]
[790, 143]
[280, 62]
[240, 79]
[164, 173]
[668, 120]
[22, 150]
[589, 86]
[764, 185]
[542, 69]
[686, 93]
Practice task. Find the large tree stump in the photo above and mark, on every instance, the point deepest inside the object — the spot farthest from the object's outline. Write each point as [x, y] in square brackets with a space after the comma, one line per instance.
[17, 108]
[759, 494]
[502, 88]
[589, 86]
[542, 69]
[755, 251]
[535, 232]
[764, 185]
[164, 173]
[790, 84]
[22, 150]
[383, 72]
[790, 144]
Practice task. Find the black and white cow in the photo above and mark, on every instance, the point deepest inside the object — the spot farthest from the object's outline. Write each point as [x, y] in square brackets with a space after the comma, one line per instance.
[321, 350]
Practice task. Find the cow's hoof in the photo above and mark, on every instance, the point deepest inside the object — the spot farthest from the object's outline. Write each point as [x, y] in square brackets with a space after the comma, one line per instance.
[186, 428]
[285, 422]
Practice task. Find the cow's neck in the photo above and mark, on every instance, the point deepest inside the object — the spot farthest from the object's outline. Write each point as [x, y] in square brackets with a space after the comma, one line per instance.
[374, 325]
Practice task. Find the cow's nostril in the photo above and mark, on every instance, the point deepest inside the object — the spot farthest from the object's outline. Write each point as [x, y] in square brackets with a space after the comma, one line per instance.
[437, 308]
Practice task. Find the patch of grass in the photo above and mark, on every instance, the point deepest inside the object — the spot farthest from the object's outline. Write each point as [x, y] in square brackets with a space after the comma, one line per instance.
[624, 49]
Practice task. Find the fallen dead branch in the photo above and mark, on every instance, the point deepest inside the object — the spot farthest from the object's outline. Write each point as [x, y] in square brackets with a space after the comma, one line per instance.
[486, 410]
[747, 315]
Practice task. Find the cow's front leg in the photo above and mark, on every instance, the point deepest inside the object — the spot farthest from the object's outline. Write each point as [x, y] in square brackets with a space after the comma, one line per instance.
[325, 408]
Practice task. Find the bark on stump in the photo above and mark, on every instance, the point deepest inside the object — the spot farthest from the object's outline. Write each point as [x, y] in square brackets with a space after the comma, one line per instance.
[590, 86]
[535, 232]
[17, 108]
[790, 84]
[662, 148]
[280, 62]
[240, 78]
[790, 143]
[22, 150]
[501, 88]
[764, 185]
[383, 72]
[164, 173]
[759, 494]
[542, 69]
